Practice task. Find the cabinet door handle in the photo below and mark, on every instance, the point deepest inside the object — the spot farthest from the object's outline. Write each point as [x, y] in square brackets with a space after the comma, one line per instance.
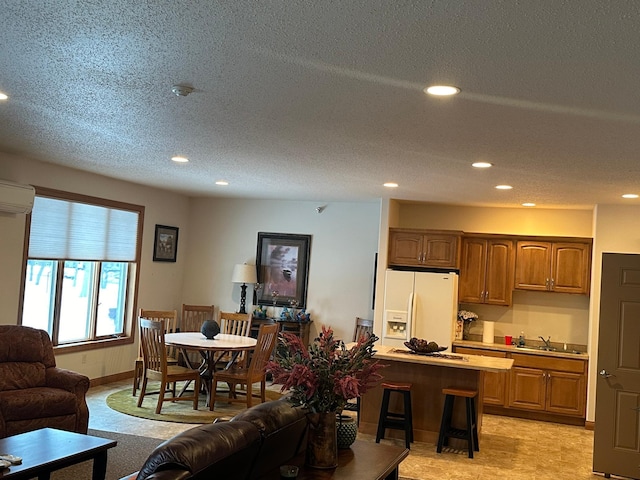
[546, 284]
[552, 284]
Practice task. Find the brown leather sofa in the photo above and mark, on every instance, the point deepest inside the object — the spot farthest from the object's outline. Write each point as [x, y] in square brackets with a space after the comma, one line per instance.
[34, 393]
[252, 443]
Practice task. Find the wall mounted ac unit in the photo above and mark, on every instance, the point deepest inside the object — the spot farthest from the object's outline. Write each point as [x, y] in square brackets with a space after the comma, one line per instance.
[16, 198]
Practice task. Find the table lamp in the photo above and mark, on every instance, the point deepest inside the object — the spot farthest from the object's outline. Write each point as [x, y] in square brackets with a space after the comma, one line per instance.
[243, 273]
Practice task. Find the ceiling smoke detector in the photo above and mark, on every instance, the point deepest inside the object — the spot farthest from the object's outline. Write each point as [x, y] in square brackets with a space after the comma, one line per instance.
[181, 90]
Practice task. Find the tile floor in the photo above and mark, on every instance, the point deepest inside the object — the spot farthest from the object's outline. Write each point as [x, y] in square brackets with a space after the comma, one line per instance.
[510, 448]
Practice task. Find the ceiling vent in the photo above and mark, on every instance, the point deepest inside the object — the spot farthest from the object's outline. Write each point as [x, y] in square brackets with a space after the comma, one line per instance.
[16, 198]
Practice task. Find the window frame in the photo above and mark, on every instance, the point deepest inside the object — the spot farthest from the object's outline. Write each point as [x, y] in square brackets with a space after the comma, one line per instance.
[128, 335]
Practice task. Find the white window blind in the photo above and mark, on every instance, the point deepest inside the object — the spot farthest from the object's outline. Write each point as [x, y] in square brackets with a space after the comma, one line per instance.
[63, 229]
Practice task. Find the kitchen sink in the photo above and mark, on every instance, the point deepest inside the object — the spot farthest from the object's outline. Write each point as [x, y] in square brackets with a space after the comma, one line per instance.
[542, 347]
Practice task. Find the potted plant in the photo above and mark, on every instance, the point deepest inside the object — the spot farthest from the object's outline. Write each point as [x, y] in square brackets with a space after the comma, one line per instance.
[321, 378]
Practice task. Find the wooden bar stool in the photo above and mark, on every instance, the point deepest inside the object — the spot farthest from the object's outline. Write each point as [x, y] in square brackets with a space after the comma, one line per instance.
[470, 434]
[399, 421]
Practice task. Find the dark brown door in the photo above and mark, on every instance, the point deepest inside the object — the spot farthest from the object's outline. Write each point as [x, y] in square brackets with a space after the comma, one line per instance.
[616, 447]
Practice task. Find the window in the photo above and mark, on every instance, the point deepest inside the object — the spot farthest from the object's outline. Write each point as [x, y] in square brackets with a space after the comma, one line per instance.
[80, 267]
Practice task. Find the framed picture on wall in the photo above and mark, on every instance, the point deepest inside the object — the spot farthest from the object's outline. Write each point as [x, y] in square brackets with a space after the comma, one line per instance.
[165, 245]
[282, 261]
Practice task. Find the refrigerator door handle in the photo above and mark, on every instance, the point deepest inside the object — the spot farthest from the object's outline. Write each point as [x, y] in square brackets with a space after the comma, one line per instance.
[412, 314]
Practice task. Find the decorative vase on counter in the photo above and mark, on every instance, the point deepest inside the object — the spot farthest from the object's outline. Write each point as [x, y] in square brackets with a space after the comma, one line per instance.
[210, 329]
[347, 430]
[322, 440]
[466, 326]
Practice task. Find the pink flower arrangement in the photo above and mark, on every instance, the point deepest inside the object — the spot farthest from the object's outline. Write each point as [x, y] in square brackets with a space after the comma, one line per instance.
[324, 376]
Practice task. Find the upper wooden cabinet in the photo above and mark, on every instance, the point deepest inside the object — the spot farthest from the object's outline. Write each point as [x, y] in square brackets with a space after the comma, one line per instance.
[554, 266]
[486, 271]
[424, 248]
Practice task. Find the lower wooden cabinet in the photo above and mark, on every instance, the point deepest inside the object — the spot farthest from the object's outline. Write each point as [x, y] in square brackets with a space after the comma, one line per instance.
[549, 384]
[535, 383]
[494, 390]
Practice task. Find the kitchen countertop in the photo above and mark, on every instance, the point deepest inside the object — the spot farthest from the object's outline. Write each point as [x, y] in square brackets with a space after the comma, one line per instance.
[526, 350]
[467, 362]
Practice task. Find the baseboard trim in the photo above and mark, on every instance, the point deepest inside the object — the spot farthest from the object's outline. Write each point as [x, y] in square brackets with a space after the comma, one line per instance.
[111, 378]
[589, 425]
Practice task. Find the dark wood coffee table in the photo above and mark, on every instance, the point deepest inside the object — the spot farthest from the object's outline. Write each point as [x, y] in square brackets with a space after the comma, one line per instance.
[48, 449]
[363, 461]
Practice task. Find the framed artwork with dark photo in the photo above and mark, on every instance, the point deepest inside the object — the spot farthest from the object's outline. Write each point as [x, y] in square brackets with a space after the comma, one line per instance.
[165, 245]
[282, 261]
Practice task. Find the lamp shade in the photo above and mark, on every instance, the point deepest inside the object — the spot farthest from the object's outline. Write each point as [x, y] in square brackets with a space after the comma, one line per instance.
[243, 273]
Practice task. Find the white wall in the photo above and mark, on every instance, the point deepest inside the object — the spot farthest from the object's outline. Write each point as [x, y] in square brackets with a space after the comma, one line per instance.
[344, 241]
[160, 283]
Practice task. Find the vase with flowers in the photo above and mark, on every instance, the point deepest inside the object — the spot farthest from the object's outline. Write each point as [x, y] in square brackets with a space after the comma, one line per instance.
[321, 378]
[466, 318]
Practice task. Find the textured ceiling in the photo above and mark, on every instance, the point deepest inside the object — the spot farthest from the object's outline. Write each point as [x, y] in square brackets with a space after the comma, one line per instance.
[323, 100]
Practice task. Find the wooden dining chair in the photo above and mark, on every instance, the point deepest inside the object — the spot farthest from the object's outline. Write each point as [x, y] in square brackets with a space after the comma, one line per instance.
[170, 318]
[191, 320]
[234, 324]
[156, 366]
[247, 376]
[193, 316]
[363, 327]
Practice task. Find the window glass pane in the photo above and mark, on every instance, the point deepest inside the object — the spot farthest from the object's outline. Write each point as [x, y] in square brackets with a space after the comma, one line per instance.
[111, 298]
[39, 294]
[76, 302]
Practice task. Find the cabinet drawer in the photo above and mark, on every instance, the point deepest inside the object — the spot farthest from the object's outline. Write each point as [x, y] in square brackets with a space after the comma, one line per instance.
[480, 351]
[548, 363]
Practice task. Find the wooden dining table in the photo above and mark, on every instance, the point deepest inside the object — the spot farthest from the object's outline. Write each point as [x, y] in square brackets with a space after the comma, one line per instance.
[211, 350]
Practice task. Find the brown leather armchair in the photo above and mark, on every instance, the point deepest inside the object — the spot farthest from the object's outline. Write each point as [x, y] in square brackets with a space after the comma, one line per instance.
[34, 393]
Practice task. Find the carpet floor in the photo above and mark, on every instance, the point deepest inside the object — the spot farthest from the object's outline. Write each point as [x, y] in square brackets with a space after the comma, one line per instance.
[125, 458]
[182, 412]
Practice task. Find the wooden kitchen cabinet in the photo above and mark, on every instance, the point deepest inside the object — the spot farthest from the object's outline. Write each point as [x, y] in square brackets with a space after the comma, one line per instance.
[549, 384]
[486, 271]
[424, 248]
[555, 266]
[494, 391]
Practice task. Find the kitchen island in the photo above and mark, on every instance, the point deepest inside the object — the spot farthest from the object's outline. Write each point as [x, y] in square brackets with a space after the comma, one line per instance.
[429, 375]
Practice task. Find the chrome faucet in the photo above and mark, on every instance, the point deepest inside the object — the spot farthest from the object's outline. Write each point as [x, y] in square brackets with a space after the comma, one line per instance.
[547, 342]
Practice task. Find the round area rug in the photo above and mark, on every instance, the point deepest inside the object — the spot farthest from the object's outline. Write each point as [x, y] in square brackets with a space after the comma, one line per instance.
[181, 412]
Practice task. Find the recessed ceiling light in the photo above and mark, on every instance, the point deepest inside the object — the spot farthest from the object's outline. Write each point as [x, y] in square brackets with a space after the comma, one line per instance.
[528, 204]
[442, 90]
[3, 96]
[390, 185]
[179, 159]
[630, 195]
[504, 187]
[482, 164]
[222, 182]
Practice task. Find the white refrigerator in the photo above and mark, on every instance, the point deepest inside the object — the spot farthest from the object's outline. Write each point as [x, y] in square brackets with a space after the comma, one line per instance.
[419, 304]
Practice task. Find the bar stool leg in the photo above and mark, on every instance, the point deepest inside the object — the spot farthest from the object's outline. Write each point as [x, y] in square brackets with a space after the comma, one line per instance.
[445, 425]
[469, 435]
[383, 415]
[408, 419]
[476, 443]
